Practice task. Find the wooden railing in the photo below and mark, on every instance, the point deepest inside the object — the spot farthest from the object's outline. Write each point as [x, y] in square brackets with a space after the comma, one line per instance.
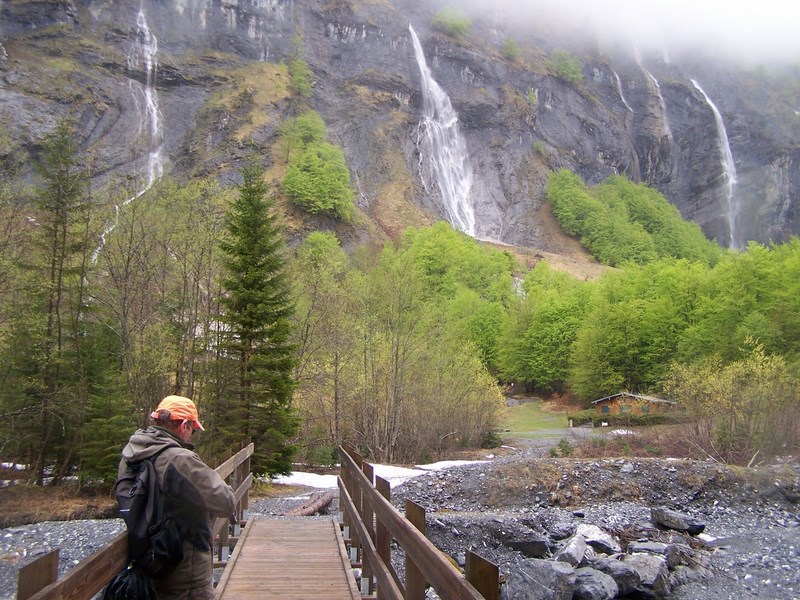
[371, 522]
[38, 580]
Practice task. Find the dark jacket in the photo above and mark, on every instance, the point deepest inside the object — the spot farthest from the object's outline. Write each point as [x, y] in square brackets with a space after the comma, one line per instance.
[194, 492]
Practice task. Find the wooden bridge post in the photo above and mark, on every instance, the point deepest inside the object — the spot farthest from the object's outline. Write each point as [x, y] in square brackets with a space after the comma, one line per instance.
[383, 538]
[223, 546]
[242, 507]
[358, 502]
[415, 581]
[368, 517]
[354, 491]
[483, 575]
[37, 575]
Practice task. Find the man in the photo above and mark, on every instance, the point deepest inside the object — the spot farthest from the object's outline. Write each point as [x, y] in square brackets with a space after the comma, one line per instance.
[194, 494]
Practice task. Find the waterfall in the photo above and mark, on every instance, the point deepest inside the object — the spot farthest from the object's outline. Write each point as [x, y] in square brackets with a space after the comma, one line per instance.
[657, 87]
[443, 147]
[143, 57]
[619, 89]
[144, 54]
[728, 167]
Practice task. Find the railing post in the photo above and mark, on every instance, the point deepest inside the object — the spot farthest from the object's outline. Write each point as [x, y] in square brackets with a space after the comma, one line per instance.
[358, 502]
[368, 518]
[415, 581]
[37, 575]
[383, 539]
[483, 575]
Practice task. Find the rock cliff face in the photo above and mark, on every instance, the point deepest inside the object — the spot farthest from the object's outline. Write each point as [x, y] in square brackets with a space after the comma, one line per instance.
[192, 87]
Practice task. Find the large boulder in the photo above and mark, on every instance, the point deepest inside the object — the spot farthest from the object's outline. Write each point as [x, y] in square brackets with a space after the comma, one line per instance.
[653, 574]
[672, 519]
[594, 585]
[599, 539]
[573, 551]
[536, 579]
[625, 576]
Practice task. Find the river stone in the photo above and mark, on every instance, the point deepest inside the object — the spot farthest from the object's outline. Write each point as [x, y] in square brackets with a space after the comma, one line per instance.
[672, 519]
[653, 574]
[536, 579]
[562, 530]
[591, 584]
[598, 539]
[532, 545]
[626, 577]
[573, 551]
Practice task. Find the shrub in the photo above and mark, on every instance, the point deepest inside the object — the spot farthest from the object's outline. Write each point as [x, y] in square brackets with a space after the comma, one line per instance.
[452, 21]
[562, 450]
[317, 179]
[567, 67]
[590, 415]
[533, 98]
[511, 49]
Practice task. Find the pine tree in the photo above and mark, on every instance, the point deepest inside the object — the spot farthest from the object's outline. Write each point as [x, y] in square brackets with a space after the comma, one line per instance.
[47, 335]
[257, 309]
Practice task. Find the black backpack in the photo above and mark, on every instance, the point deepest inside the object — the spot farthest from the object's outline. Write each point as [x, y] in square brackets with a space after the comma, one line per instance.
[154, 544]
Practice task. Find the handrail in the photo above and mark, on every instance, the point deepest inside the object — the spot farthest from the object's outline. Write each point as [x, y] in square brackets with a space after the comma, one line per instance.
[359, 501]
[94, 572]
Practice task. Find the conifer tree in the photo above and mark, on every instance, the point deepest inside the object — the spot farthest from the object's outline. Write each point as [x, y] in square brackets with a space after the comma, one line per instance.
[257, 308]
[48, 328]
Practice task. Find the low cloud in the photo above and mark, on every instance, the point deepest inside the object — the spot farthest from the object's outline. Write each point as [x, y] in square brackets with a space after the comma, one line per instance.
[752, 31]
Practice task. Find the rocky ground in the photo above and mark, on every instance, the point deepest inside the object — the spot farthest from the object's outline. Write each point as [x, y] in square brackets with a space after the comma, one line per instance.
[750, 547]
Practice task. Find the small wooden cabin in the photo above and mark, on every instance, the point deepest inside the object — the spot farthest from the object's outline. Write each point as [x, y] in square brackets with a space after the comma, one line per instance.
[633, 404]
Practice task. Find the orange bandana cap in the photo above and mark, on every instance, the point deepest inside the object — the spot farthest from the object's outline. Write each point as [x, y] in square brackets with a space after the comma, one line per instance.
[180, 409]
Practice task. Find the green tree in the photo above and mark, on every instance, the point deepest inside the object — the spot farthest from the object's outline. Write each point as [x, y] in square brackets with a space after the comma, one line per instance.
[632, 329]
[540, 329]
[325, 338]
[742, 412]
[300, 74]
[49, 335]
[257, 312]
[619, 210]
[298, 132]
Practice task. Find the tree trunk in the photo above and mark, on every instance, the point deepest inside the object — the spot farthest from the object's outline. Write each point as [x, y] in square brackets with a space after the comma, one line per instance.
[317, 503]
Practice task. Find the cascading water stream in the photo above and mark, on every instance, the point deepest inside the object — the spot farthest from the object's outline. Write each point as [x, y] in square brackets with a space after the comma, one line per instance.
[143, 57]
[728, 168]
[661, 102]
[619, 89]
[443, 147]
[145, 52]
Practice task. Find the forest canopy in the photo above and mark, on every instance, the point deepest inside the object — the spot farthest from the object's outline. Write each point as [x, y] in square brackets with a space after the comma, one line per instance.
[401, 349]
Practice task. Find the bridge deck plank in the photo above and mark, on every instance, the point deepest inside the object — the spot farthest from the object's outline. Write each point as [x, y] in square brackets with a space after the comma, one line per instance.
[291, 559]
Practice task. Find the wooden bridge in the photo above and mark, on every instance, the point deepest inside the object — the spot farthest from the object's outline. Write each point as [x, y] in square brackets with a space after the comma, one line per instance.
[292, 558]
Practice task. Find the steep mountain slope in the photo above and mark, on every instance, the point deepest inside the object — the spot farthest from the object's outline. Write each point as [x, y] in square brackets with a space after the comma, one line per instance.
[192, 87]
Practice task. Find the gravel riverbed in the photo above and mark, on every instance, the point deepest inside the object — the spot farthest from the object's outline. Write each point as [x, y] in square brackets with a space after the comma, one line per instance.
[752, 523]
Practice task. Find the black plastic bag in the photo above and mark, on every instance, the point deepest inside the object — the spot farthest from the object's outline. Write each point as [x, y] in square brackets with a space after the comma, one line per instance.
[130, 584]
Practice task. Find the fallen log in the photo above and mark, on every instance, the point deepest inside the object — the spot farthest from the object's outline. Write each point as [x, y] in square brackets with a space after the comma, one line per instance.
[317, 503]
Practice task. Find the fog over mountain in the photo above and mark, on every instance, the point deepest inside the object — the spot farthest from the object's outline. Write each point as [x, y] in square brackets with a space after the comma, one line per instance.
[743, 30]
